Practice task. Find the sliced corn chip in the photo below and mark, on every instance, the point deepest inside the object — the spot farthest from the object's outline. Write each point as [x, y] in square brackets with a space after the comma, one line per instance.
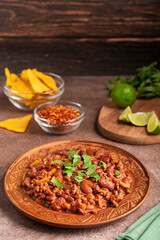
[21, 86]
[36, 84]
[13, 78]
[8, 76]
[24, 75]
[47, 80]
[31, 85]
[16, 124]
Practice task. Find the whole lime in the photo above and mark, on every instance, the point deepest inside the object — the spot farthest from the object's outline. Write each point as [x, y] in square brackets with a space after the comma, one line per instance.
[123, 95]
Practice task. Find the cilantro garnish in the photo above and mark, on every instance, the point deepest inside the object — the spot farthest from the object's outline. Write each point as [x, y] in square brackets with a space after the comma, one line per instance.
[117, 173]
[76, 160]
[87, 160]
[81, 173]
[104, 165]
[96, 176]
[56, 182]
[68, 169]
[68, 172]
[71, 155]
[58, 161]
[67, 164]
[91, 169]
[78, 178]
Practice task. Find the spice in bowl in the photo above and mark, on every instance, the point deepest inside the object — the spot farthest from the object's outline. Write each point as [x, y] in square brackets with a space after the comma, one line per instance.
[59, 115]
[62, 118]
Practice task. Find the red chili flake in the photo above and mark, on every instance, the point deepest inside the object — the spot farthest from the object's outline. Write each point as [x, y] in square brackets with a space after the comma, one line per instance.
[59, 115]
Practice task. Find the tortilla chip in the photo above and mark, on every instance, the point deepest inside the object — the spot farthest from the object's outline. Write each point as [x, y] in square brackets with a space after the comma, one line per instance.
[47, 80]
[17, 84]
[8, 76]
[16, 124]
[31, 85]
[24, 75]
[36, 84]
[13, 78]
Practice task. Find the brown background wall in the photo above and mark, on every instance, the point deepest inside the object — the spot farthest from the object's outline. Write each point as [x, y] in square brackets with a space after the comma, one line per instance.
[90, 37]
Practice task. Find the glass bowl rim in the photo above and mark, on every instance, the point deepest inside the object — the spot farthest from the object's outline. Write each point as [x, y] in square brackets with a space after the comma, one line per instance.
[61, 102]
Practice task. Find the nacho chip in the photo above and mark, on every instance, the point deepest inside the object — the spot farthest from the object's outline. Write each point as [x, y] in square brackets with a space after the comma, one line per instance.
[36, 84]
[13, 78]
[24, 75]
[47, 80]
[31, 85]
[16, 124]
[8, 76]
[17, 84]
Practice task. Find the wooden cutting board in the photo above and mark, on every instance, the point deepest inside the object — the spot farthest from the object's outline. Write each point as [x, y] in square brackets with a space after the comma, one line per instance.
[112, 128]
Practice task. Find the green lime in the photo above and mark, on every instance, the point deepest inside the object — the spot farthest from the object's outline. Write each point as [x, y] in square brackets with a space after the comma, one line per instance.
[140, 118]
[124, 115]
[123, 95]
[153, 125]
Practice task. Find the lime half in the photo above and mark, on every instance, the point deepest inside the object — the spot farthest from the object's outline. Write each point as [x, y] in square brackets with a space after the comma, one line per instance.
[124, 115]
[140, 118]
[153, 125]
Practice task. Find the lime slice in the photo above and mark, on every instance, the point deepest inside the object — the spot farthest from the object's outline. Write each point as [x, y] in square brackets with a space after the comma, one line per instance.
[124, 115]
[153, 125]
[140, 118]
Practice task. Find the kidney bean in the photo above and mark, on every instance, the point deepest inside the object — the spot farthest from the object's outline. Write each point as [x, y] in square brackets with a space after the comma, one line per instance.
[99, 170]
[106, 159]
[58, 204]
[110, 171]
[39, 166]
[106, 184]
[127, 180]
[90, 152]
[68, 198]
[27, 182]
[50, 198]
[93, 179]
[80, 152]
[58, 172]
[32, 174]
[95, 161]
[85, 187]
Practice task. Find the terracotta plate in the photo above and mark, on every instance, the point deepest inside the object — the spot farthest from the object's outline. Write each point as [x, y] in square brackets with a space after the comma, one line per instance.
[14, 175]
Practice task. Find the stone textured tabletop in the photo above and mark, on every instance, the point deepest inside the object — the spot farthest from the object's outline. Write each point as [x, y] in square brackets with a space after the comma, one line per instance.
[90, 92]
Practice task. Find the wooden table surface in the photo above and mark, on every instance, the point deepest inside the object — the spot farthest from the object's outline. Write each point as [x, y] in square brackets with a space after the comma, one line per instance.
[90, 92]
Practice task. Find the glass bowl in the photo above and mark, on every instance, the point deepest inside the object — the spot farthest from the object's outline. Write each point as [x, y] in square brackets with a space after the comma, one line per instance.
[26, 102]
[68, 125]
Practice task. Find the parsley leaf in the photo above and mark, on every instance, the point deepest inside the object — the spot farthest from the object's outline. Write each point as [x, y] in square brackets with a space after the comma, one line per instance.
[78, 178]
[56, 182]
[68, 169]
[95, 175]
[68, 172]
[87, 160]
[146, 81]
[117, 173]
[91, 169]
[104, 165]
[71, 155]
[81, 173]
[58, 161]
[67, 164]
[76, 160]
